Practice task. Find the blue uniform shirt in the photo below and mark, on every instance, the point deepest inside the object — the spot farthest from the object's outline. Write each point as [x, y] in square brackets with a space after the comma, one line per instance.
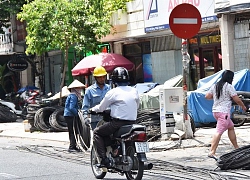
[71, 105]
[93, 96]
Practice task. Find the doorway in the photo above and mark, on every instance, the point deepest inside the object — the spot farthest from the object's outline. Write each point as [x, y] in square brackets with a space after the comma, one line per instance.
[206, 62]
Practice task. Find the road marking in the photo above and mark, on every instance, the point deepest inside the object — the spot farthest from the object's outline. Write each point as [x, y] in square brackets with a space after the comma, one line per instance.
[185, 21]
[8, 176]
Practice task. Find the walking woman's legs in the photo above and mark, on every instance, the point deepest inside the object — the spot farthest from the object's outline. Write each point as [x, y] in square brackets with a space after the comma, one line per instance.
[232, 137]
[215, 143]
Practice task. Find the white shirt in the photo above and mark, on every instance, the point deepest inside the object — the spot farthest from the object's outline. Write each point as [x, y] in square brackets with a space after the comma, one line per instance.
[123, 102]
[224, 103]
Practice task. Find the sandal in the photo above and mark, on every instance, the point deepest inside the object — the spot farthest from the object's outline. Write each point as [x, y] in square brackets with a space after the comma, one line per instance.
[212, 156]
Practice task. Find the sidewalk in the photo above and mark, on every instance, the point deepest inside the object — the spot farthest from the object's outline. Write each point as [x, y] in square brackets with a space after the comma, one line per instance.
[188, 152]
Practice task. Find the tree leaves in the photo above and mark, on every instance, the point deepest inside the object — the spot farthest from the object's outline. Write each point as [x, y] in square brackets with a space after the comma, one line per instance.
[60, 23]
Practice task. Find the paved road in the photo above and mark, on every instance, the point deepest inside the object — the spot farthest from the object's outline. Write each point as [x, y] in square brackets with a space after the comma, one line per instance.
[173, 159]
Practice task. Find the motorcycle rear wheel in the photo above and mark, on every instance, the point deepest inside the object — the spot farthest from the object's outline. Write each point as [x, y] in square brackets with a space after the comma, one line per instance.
[237, 121]
[136, 172]
[98, 172]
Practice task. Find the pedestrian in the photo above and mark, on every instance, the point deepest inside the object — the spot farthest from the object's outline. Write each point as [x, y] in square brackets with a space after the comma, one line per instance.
[123, 101]
[222, 93]
[94, 94]
[71, 112]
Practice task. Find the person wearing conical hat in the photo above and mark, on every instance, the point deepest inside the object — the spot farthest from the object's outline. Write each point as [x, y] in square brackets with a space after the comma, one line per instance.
[71, 112]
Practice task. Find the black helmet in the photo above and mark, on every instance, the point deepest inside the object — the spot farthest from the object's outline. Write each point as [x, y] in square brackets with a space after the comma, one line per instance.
[120, 74]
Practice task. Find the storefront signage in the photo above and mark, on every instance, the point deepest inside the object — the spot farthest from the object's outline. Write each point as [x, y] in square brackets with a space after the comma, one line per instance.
[17, 65]
[210, 39]
[205, 40]
[157, 12]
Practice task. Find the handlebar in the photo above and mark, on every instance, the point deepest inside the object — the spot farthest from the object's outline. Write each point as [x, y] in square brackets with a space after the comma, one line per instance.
[105, 114]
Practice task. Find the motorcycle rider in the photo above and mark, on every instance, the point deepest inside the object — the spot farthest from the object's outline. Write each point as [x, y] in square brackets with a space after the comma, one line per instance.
[123, 102]
[94, 94]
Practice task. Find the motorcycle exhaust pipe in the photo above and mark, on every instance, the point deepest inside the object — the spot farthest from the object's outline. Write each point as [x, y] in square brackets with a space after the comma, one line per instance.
[148, 166]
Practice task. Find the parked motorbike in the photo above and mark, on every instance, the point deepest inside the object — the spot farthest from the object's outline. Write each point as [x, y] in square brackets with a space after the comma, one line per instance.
[8, 112]
[239, 117]
[126, 150]
[30, 97]
[11, 107]
[20, 110]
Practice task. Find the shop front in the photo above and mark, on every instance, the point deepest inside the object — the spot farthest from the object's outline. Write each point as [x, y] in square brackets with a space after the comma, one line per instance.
[139, 54]
[205, 55]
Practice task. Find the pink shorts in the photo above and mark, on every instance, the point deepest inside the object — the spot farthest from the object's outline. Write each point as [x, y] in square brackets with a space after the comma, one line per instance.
[223, 122]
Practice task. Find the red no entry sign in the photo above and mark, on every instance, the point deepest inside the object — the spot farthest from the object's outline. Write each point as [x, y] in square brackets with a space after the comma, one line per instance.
[185, 21]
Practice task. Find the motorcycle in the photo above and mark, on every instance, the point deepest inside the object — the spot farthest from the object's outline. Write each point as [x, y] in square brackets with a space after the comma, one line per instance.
[31, 97]
[21, 109]
[239, 117]
[126, 151]
[8, 112]
[11, 107]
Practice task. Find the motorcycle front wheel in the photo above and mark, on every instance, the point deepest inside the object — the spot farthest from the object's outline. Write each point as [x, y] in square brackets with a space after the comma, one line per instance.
[98, 172]
[136, 172]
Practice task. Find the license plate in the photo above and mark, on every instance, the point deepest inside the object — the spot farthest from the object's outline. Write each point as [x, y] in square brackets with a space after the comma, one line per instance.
[141, 147]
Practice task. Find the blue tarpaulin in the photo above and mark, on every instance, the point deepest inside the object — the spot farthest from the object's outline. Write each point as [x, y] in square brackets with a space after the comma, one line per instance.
[27, 88]
[200, 108]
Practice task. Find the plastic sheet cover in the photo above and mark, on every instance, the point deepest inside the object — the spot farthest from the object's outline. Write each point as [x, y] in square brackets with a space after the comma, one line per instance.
[200, 108]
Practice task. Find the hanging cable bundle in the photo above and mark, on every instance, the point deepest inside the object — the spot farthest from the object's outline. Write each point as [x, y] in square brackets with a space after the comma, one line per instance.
[236, 159]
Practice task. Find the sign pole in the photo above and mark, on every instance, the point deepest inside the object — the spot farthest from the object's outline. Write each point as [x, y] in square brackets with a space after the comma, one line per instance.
[185, 61]
[185, 22]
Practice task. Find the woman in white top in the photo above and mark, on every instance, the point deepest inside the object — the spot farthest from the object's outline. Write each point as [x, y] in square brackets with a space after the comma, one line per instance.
[222, 93]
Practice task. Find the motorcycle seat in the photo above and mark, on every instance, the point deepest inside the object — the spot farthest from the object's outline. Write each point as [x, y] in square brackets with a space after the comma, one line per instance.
[246, 94]
[127, 129]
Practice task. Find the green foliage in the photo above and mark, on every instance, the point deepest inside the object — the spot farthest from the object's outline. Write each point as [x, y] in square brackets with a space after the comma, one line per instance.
[117, 4]
[58, 24]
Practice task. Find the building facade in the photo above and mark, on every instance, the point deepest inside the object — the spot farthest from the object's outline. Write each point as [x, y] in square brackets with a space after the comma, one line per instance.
[234, 18]
[143, 35]
[12, 57]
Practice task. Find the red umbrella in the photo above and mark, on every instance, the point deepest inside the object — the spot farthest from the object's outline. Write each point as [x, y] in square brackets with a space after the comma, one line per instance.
[108, 60]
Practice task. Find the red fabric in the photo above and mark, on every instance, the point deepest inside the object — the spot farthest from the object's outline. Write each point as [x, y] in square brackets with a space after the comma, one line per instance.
[196, 59]
[108, 60]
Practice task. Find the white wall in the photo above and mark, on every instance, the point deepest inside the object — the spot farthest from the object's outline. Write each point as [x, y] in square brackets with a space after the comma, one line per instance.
[241, 46]
[165, 65]
[129, 24]
[227, 43]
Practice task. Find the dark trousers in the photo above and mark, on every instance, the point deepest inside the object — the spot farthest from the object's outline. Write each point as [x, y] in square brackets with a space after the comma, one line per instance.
[104, 131]
[71, 121]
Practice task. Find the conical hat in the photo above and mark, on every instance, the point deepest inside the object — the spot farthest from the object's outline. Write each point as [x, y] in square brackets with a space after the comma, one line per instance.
[76, 84]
